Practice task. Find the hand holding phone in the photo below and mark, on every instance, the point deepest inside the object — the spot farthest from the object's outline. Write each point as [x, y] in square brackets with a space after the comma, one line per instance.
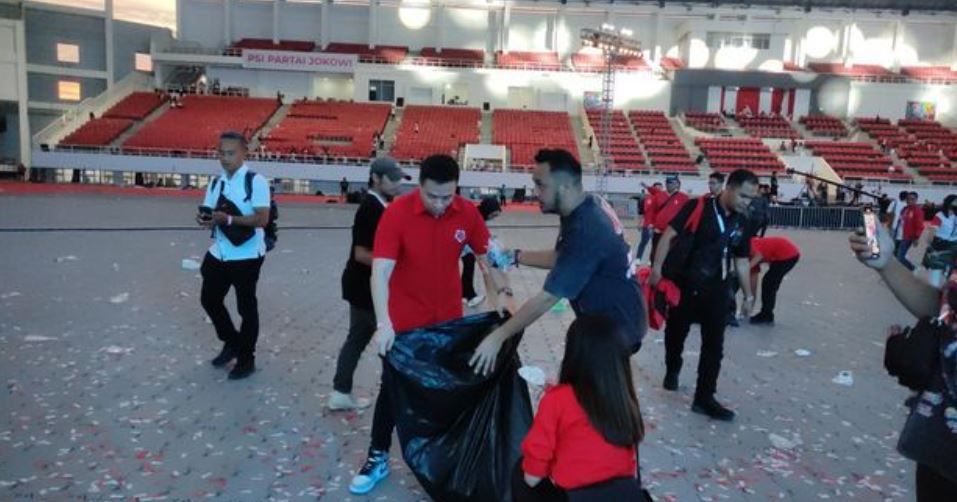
[870, 231]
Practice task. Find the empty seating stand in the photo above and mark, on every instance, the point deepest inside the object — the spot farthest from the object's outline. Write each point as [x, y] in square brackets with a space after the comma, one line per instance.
[857, 160]
[706, 122]
[931, 74]
[97, 132]
[455, 58]
[547, 61]
[933, 150]
[623, 150]
[136, 106]
[428, 130]
[592, 62]
[728, 154]
[328, 129]
[195, 128]
[767, 126]
[666, 153]
[823, 125]
[384, 54]
[525, 132]
[283, 45]
[865, 72]
[883, 131]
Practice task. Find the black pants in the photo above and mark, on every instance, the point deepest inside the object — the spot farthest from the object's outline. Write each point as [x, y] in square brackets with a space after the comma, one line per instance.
[613, 490]
[361, 328]
[654, 246]
[383, 422]
[709, 308]
[932, 487]
[468, 276]
[218, 277]
[772, 282]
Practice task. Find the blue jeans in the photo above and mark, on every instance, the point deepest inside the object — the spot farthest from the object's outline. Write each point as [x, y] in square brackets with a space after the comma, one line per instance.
[646, 233]
[902, 254]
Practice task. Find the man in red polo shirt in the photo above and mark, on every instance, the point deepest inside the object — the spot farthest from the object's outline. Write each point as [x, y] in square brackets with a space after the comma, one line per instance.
[415, 280]
[781, 255]
[912, 224]
[667, 204]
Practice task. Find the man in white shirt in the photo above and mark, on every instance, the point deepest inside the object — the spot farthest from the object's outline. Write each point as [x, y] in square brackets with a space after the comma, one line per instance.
[236, 208]
[895, 210]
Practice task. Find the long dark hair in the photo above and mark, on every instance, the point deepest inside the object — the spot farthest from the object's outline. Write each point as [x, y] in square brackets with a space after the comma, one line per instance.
[597, 367]
[948, 204]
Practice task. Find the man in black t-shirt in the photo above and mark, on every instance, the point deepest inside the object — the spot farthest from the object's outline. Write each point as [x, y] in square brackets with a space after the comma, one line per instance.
[385, 181]
[722, 234]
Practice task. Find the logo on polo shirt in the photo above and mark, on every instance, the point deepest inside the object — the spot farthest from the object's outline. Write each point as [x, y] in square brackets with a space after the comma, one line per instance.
[460, 236]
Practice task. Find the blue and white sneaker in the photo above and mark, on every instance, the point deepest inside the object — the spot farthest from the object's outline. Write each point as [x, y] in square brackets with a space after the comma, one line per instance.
[373, 471]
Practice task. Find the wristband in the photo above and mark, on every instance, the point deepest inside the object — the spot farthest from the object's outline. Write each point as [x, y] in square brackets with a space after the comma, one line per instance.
[229, 220]
[381, 325]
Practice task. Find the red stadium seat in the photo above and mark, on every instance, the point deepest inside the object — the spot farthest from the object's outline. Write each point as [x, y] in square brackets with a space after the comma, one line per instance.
[441, 129]
[525, 132]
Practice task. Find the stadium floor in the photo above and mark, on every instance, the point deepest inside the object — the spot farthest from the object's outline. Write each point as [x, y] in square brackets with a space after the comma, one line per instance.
[104, 354]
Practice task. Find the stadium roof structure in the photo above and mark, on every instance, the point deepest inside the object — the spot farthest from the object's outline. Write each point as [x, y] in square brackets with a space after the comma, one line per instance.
[903, 6]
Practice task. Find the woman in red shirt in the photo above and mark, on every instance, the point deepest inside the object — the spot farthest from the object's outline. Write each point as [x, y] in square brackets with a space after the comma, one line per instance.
[582, 444]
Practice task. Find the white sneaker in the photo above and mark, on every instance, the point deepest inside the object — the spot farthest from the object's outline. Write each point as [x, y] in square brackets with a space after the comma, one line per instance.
[342, 402]
[475, 302]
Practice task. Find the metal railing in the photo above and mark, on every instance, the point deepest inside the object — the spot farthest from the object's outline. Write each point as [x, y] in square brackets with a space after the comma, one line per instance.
[825, 218]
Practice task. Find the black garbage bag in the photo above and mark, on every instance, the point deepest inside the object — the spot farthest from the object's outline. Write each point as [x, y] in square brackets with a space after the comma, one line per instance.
[460, 432]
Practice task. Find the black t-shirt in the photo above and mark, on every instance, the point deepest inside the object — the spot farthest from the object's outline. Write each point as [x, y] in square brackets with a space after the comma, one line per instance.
[593, 270]
[704, 268]
[356, 276]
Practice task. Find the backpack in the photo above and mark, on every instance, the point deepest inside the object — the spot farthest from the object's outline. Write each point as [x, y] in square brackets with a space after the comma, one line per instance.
[677, 260]
[272, 229]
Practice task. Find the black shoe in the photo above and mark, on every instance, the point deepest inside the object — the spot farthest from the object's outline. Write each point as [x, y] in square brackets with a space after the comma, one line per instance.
[712, 408]
[225, 356]
[733, 321]
[763, 319]
[242, 369]
[671, 381]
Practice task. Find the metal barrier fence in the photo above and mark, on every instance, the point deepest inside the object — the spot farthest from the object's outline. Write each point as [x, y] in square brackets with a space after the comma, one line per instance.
[825, 218]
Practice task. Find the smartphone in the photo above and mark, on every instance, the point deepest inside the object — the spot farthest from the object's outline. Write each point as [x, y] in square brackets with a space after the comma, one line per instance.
[870, 231]
[205, 213]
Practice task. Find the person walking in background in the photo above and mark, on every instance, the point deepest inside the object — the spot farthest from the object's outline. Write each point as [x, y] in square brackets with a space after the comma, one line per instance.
[343, 189]
[236, 208]
[385, 182]
[490, 209]
[894, 211]
[667, 204]
[647, 224]
[912, 226]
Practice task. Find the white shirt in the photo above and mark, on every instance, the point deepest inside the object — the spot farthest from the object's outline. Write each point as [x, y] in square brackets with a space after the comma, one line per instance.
[897, 207]
[234, 189]
[946, 227]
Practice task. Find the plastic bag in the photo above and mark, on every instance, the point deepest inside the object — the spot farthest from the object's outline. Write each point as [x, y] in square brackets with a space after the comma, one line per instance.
[460, 432]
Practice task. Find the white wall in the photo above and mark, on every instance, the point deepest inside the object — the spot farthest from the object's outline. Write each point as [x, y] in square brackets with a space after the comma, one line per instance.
[349, 23]
[568, 36]
[928, 43]
[300, 21]
[528, 31]
[394, 30]
[466, 28]
[202, 22]
[333, 86]
[8, 63]
[265, 83]
[251, 19]
[890, 100]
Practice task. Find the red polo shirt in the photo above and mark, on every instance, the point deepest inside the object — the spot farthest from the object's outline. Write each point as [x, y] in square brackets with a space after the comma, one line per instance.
[425, 287]
[666, 207]
[774, 249]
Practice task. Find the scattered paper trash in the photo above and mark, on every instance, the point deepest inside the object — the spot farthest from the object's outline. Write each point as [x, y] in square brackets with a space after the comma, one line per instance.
[844, 378]
[802, 352]
[190, 264]
[61, 259]
[766, 353]
[11, 294]
[783, 443]
[561, 306]
[533, 375]
[120, 298]
[38, 338]
[114, 349]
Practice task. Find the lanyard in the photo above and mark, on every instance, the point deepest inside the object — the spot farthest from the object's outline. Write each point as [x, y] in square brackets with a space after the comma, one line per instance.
[717, 215]
[723, 239]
